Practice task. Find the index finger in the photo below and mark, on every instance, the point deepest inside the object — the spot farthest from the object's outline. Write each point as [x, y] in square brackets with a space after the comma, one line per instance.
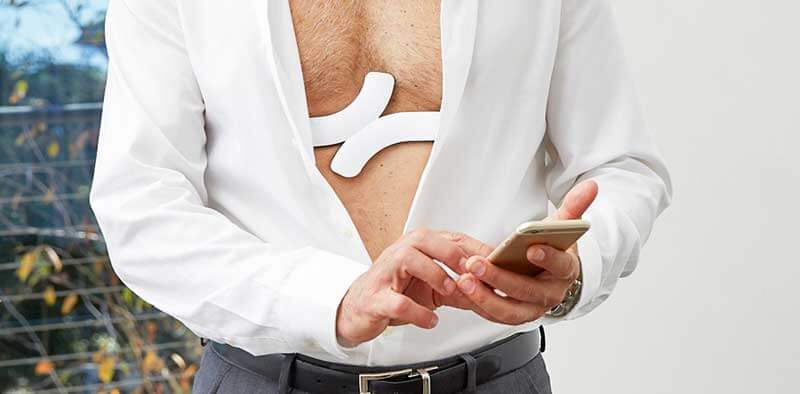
[436, 246]
[470, 246]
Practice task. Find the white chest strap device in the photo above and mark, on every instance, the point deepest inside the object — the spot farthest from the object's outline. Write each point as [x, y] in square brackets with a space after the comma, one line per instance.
[363, 130]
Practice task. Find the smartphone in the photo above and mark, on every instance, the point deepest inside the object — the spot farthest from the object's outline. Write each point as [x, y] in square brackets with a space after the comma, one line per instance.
[560, 234]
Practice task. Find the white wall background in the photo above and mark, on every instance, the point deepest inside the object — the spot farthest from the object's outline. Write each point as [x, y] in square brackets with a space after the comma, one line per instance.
[713, 306]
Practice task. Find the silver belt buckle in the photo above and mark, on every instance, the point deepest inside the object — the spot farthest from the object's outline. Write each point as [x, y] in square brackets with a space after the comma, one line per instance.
[426, 378]
[365, 378]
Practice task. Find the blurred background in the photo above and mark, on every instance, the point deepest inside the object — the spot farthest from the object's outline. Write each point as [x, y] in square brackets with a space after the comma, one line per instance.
[712, 307]
[67, 325]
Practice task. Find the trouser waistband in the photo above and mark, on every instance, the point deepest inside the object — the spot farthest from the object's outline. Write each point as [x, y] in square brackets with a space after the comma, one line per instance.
[449, 375]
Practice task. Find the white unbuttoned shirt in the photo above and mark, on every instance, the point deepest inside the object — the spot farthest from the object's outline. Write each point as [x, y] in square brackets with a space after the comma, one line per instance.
[213, 210]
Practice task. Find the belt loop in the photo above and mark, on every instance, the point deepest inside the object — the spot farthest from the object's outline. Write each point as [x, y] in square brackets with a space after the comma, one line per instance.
[203, 342]
[285, 378]
[472, 375]
[541, 339]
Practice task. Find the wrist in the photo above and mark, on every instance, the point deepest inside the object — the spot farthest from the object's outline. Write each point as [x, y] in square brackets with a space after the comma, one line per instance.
[347, 334]
[341, 337]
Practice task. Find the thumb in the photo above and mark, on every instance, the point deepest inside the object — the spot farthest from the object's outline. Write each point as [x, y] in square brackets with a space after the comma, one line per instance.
[577, 201]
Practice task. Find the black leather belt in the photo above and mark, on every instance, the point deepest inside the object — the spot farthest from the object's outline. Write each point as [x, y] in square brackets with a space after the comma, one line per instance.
[449, 375]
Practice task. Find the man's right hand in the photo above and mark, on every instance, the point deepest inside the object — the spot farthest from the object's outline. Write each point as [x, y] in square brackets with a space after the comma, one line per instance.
[375, 300]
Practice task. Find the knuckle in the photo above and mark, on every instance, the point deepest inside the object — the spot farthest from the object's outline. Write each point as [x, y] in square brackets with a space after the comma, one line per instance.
[404, 255]
[523, 292]
[399, 307]
[454, 254]
[516, 292]
[419, 235]
[457, 237]
[530, 293]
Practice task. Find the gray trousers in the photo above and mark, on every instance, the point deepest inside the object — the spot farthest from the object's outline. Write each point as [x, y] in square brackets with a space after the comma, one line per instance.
[219, 375]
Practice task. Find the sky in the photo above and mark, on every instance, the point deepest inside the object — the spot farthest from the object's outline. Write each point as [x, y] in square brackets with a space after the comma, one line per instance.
[47, 26]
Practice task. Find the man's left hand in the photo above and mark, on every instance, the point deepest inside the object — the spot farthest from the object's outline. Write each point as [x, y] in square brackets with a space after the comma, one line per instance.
[527, 297]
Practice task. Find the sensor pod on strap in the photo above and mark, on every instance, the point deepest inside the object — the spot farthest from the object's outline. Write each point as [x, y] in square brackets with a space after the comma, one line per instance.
[366, 107]
[364, 132]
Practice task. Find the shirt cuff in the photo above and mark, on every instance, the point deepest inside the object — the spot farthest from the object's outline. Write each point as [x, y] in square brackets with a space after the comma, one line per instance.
[310, 298]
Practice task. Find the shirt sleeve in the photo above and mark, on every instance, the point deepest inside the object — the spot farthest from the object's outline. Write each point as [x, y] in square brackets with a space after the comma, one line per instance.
[150, 200]
[595, 131]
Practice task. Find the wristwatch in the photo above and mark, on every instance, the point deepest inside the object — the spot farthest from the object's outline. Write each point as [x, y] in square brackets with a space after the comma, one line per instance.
[570, 300]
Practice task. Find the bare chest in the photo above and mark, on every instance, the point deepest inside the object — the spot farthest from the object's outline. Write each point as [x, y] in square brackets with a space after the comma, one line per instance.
[340, 41]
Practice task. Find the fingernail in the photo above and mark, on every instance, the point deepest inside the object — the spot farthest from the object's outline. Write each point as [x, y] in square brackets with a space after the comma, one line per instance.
[434, 321]
[467, 286]
[449, 286]
[538, 254]
[462, 263]
[477, 268]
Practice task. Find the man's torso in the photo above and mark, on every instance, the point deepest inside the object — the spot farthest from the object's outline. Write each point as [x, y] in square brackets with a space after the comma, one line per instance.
[339, 42]
[493, 82]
